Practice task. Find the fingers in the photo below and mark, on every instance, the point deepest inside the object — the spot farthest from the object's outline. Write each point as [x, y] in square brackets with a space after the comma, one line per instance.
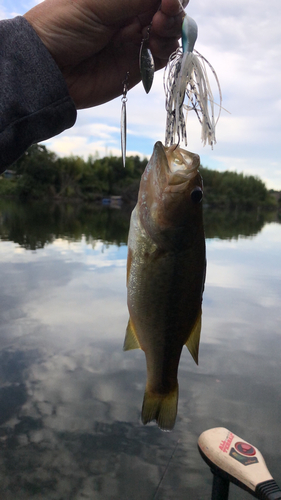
[172, 7]
[165, 32]
[167, 26]
[162, 52]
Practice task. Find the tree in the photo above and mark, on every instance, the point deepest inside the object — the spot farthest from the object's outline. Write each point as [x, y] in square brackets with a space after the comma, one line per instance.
[36, 171]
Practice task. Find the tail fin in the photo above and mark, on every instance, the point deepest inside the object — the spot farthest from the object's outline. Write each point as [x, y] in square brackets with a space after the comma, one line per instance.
[160, 407]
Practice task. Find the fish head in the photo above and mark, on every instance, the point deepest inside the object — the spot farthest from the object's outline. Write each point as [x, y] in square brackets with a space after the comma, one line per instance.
[170, 194]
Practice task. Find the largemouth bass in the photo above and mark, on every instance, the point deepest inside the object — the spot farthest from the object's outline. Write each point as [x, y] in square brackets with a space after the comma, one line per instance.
[165, 275]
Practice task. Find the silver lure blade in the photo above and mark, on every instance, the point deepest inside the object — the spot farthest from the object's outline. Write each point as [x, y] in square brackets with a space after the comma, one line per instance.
[147, 67]
[123, 131]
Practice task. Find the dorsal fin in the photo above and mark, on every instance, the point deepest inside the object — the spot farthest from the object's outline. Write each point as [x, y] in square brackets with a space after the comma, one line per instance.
[131, 341]
[193, 341]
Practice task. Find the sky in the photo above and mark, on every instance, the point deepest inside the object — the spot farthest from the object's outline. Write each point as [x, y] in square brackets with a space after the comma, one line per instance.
[242, 41]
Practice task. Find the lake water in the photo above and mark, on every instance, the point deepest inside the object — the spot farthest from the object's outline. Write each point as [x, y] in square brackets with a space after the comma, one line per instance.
[70, 398]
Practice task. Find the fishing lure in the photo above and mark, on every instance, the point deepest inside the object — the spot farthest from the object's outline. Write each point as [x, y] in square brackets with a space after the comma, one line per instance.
[186, 76]
[146, 63]
[186, 87]
[147, 69]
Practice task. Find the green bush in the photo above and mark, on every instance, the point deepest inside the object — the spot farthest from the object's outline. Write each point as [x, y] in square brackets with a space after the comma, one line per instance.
[8, 187]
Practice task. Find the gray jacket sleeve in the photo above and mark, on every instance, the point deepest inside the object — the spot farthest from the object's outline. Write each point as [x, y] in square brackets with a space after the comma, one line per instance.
[34, 100]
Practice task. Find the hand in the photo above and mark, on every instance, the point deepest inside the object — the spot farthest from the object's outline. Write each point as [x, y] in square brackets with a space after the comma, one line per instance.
[95, 42]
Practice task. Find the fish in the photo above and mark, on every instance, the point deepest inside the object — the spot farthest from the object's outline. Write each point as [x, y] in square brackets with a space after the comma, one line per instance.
[166, 266]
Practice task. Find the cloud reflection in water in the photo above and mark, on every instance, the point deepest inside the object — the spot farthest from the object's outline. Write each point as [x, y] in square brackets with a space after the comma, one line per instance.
[70, 399]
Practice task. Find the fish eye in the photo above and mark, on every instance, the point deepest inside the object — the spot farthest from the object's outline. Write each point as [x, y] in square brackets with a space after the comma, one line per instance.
[196, 195]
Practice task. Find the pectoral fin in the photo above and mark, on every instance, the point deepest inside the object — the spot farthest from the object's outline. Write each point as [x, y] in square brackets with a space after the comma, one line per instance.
[131, 341]
[193, 341]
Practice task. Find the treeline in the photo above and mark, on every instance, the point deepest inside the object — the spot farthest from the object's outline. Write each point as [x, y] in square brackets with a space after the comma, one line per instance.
[233, 190]
[40, 174]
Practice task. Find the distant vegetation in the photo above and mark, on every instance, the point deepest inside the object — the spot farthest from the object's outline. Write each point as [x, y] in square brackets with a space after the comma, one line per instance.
[40, 174]
[233, 190]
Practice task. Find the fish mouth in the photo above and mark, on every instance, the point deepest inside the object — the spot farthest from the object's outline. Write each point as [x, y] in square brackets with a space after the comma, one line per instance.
[181, 160]
[180, 166]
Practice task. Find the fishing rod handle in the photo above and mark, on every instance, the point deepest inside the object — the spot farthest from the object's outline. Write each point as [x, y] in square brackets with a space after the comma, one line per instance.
[236, 460]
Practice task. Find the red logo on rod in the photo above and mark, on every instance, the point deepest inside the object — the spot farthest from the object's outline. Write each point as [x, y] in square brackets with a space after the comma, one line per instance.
[225, 444]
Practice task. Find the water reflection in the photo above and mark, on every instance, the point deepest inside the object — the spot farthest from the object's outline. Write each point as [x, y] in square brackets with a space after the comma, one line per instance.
[227, 224]
[70, 399]
[33, 225]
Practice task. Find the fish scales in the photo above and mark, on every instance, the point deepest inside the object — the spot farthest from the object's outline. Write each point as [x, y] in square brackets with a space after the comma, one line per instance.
[165, 275]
